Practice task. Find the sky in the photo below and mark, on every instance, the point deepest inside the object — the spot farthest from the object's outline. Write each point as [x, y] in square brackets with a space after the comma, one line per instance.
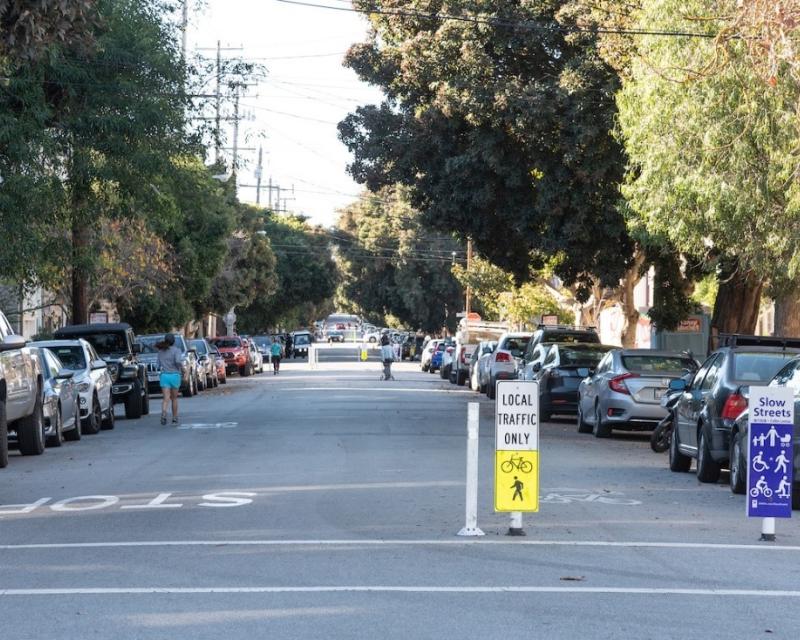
[293, 112]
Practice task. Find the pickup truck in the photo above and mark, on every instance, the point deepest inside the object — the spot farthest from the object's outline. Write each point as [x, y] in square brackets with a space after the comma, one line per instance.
[20, 395]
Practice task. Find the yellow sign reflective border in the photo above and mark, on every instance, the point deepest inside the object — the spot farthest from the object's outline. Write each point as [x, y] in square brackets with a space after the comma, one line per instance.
[516, 481]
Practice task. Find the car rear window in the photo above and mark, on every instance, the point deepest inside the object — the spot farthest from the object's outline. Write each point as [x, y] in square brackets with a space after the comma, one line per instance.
[71, 357]
[658, 364]
[758, 367]
[516, 346]
[581, 357]
[298, 340]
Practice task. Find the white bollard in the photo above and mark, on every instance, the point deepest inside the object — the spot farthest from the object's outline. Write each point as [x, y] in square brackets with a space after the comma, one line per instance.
[768, 529]
[473, 429]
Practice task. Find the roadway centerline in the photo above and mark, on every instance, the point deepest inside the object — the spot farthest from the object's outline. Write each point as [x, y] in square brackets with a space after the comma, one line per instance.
[111, 591]
[711, 546]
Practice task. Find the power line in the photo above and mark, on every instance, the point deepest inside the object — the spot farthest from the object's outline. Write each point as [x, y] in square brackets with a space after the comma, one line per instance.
[528, 25]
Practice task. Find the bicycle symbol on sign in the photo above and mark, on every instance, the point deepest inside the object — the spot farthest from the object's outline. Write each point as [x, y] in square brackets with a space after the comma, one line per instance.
[516, 462]
[761, 488]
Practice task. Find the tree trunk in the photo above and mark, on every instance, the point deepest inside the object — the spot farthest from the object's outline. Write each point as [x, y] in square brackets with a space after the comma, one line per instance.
[738, 301]
[787, 315]
[80, 274]
[627, 299]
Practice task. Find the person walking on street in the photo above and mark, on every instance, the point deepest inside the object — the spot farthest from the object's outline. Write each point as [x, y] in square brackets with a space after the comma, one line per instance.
[275, 351]
[289, 346]
[170, 360]
[387, 356]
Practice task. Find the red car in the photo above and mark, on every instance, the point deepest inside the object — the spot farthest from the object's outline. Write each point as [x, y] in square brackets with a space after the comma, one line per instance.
[236, 354]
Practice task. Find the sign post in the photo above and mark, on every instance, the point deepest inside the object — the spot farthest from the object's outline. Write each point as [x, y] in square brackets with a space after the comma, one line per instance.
[473, 426]
[516, 463]
[769, 456]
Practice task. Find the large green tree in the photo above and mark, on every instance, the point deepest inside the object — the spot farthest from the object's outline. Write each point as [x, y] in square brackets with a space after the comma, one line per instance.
[394, 265]
[500, 125]
[712, 155]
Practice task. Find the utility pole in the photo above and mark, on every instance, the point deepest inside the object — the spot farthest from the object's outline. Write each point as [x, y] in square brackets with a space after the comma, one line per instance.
[469, 268]
[184, 29]
[235, 162]
[258, 174]
[218, 106]
[269, 192]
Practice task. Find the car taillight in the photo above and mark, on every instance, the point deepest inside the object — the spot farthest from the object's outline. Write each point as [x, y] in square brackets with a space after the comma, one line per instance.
[734, 406]
[618, 383]
[463, 356]
[503, 357]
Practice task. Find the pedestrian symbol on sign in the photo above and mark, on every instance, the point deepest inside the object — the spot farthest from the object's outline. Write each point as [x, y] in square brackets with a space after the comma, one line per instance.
[518, 486]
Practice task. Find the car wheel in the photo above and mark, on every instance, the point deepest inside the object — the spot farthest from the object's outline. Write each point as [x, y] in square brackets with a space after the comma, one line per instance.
[91, 424]
[146, 403]
[599, 429]
[57, 439]
[187, 390]
[738, 465]
[583, 426]
[195, 391]
[491, 389]
[796, 497]
[244, 371]
[708, 470]
[133, 402]
[3, 436]
[678, 462]
[30, 431]
[109, 422]
[224, 380]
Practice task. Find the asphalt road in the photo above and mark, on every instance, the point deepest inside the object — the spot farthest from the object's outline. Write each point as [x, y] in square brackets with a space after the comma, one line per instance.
[324, 504]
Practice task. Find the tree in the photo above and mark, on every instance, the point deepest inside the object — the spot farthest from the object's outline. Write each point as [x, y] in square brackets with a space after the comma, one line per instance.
[391, 264]
[712, 155]
[500, 128]
[488, 283]
[305, 276]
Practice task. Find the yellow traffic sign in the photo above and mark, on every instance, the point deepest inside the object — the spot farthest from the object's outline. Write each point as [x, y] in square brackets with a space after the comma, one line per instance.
[516, 481]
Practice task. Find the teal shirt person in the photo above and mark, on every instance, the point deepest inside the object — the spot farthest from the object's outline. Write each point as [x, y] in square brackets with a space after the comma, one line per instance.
[275, 349]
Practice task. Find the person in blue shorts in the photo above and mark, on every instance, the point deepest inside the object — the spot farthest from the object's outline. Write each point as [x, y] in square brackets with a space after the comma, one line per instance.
[170, 359]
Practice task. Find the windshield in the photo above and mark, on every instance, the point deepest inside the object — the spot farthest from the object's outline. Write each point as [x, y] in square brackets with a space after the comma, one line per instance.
[262, 341]
[106, 343]
[71, 357]
[758, 367]
[201, 346]
[227, 343]
[658, 364]
[587, 357]
[149, 343]
[516, 345]
[301, 339]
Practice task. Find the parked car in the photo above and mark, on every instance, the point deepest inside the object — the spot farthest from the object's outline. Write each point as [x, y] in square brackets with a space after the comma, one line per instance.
[236, 354]
[115, 343]
[533, 359]
[438, 355]
[335, 335]
[712, 401]
[789, 377]
[189, 369]
[626, 388]
[462, 356]
[91, 378]
[301, 340]
[427, 355]
[207, 361]
[479, 355]
[219, 362]
[563, 369]
[60, 400]
[504, 361]
[447, 359]
[373, 336]
[256, 357]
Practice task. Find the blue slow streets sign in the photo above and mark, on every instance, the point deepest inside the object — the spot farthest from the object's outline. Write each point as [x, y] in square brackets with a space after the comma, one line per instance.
[769, 452]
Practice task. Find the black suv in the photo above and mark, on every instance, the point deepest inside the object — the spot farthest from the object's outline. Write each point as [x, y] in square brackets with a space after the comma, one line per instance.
[114, 342]
[550, 334]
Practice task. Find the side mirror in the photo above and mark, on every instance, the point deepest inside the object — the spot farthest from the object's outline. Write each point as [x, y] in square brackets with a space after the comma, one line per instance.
[679, 384]
[536, 367]
[98, 364]
[137, 347]
[66, 374]
[12, 342]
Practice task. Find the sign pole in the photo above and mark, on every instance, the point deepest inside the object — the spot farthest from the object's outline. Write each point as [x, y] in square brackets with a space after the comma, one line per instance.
[473, 427]
[515, 528]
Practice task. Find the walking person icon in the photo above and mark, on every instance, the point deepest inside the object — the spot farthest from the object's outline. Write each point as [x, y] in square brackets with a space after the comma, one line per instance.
[518, 486]
[781, 461]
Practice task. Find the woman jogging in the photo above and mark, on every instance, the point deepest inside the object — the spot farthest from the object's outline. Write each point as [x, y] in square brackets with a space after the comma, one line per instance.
[275, 350]
[170, 360]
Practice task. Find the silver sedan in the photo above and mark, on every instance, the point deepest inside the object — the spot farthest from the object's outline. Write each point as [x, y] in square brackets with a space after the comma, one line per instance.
[626, 388]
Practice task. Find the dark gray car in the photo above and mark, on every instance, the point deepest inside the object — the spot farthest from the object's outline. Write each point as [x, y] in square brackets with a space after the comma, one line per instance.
[712, 401]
